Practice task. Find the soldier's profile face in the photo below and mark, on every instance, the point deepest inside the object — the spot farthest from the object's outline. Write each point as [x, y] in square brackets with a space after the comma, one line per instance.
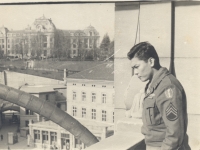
[142, 69]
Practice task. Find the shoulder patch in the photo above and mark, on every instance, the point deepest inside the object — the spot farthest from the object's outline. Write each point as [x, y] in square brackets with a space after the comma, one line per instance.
[171, 112]
[169, 93]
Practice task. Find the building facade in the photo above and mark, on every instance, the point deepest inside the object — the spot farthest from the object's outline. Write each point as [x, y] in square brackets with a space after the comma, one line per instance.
[42, 38]
[48, 135]
[90, 94]
[91, 100]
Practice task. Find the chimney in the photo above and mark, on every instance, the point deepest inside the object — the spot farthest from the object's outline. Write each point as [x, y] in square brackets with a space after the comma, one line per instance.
[65, 74]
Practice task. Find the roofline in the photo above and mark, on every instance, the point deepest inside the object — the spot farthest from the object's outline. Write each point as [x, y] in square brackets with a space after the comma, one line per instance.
[40, 92]
[88, 80]
[60, 87]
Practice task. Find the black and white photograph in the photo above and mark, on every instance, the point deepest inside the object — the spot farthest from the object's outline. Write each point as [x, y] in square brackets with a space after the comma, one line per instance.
[96, 75]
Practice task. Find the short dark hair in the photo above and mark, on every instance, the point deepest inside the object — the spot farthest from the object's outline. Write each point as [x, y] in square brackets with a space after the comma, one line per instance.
[143, 51]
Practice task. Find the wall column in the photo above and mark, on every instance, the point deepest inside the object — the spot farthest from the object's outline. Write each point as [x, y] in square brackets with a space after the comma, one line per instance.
[58, 137]
[1, 123]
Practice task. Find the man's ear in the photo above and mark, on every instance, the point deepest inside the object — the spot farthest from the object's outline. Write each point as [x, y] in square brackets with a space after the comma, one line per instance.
[151, 61]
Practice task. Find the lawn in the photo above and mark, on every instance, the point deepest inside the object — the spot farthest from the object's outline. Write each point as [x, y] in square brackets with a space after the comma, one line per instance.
[48, 68]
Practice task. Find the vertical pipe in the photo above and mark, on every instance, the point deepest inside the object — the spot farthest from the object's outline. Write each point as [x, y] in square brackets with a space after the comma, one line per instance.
[1, 119]
[172, 67]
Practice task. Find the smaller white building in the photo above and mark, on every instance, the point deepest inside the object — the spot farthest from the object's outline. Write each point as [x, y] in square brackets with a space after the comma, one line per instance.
[47, 135]
[46, 92]
[90, 94]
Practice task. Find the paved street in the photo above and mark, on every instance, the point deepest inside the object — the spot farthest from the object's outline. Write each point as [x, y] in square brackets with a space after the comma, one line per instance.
[20, 145]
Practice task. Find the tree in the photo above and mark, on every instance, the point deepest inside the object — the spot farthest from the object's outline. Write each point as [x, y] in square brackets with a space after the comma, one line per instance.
[36, 46]
[1, 53]
[17, 49]
[111, 51]
[61, 44]
[105, 43]
[104, 47]
[23, 47]
[67, 46]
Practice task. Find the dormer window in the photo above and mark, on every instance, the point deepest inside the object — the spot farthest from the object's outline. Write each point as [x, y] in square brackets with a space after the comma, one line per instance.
[47, 97]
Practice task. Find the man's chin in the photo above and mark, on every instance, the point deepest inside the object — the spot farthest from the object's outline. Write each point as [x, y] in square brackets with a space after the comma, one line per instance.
[143, 80]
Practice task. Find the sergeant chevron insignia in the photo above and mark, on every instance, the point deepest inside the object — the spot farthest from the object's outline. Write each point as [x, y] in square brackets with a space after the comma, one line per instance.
[169, 93]
[171, 112]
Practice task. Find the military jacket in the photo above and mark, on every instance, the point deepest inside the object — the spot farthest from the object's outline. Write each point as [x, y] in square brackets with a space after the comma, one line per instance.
[165, 113]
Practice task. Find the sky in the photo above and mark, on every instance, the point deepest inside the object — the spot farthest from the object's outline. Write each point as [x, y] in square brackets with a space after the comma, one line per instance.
[64, 16]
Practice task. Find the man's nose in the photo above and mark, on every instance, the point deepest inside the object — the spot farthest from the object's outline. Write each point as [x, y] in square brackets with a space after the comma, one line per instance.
[134, 72]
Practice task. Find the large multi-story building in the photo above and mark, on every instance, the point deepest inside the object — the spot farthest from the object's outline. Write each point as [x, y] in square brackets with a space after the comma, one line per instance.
[42, 38]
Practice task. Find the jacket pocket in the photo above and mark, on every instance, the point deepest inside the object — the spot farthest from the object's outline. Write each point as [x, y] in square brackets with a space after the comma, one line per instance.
[151, 112]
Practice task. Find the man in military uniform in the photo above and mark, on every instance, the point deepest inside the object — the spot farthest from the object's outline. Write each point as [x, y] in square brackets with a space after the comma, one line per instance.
[164, 113]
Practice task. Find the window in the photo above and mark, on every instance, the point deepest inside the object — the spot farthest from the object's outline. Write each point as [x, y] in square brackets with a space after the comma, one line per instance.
[94, 114]
[44, 41]
[74, 111]
[93, 97]
[8, 46]
[113, 117]
[58, 105]
[83, 96]
[103, 98]
[8, 40]
[83, 112]
[95, 43]
[74, 95]
[45, 52]
[36, 134]
[74, 43]
[26, 123]
[29, 112]
[90, 43]
[47, 97]
[2, 46]
[45, 135]
[63, 135]
[86, 43]
[53, 136]
[2, 40]
[74, 51]
[103, 115]
[44, 45]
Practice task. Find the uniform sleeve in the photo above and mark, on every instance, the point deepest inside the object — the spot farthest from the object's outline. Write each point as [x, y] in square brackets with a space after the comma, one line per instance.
[170, 103]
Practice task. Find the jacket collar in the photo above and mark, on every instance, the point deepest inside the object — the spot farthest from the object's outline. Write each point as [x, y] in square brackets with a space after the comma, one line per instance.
[158, 77]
